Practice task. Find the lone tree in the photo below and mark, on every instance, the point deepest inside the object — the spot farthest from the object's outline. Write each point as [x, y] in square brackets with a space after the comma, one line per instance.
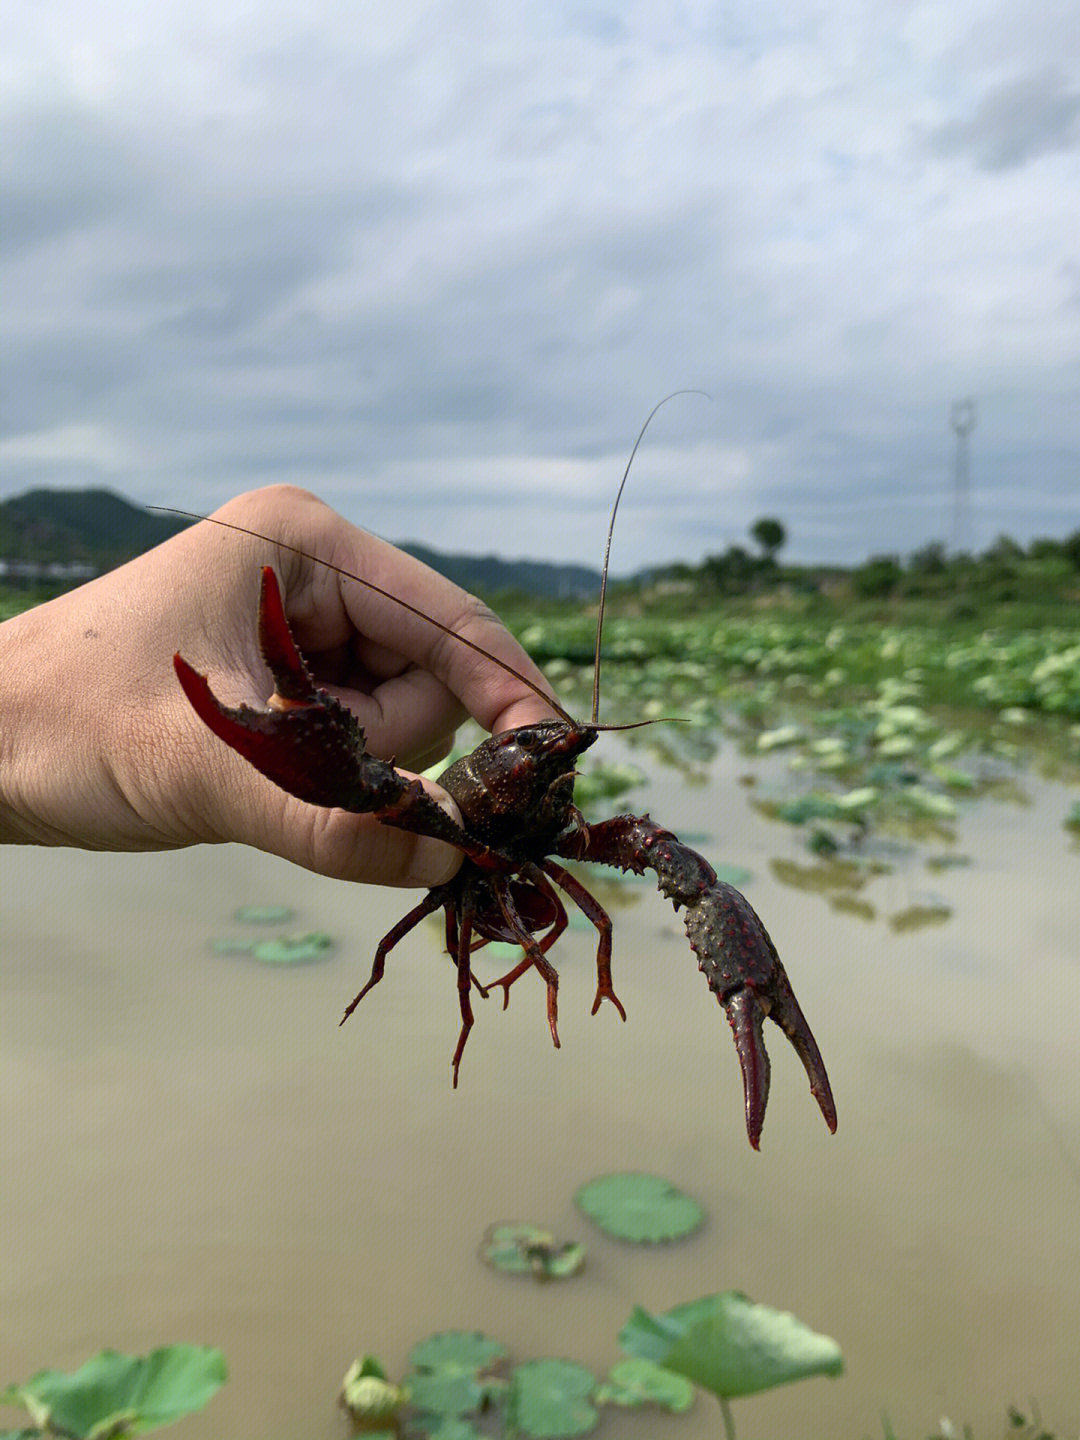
[770, 535]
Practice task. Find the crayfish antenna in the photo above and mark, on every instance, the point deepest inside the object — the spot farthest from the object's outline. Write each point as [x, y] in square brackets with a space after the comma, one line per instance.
[607, 549]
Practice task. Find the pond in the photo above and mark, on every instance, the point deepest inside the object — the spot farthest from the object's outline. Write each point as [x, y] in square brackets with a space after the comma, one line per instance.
[192, 1150]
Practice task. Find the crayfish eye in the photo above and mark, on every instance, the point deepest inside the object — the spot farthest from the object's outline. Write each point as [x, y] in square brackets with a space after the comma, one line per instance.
[529, 737]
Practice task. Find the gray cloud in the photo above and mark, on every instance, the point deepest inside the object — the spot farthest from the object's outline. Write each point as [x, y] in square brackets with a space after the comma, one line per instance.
[1015, 123]
[440, 267]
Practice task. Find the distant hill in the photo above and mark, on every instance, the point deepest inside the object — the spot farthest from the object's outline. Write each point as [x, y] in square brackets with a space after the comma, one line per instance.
[97, 529]
[489, 575]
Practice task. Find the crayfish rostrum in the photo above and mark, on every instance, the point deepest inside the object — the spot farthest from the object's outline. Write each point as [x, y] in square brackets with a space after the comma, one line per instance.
[515, 794]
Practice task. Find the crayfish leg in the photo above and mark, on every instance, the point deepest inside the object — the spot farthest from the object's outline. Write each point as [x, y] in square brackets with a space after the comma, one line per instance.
[593, 911]
[545, 942]
[534, 954]
[431, 902]
[464, 983]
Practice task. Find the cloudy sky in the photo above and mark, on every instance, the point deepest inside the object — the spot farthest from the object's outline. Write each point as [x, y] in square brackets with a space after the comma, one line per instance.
[438, 261]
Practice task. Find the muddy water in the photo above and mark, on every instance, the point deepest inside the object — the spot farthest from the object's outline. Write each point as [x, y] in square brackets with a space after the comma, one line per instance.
[191, 1150]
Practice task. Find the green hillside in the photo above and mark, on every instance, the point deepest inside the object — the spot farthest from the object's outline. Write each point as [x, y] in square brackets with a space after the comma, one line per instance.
[97, 527]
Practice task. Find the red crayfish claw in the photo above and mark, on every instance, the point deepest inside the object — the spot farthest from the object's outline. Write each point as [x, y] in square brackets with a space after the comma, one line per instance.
[738, 959]
[309, 743]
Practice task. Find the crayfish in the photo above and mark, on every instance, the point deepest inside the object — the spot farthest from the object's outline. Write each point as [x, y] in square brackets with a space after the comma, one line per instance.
[515, 792]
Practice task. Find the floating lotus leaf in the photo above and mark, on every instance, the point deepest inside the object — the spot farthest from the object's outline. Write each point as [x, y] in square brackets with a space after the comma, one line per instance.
[550, 1399]
[498, 949]
[728, 1345]
[953, 861]
[807, 807]
[894, 746]
[955, 779]
[736, 875]
[452, 1429]
[528, 1250]
[928, 802]
[264, 914]
[468, 1350]
[448, 1382]
[113, 1391]
[852, 801]
[633, 1383]
[294, 949]
[776, 739]
[446, 1392]
[919, 916]
[605, 781]
[639, 1207]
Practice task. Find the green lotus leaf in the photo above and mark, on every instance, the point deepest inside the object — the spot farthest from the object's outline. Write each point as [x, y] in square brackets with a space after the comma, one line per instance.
[955, 779]
[445, 1392]
[264, 914]
[952, 861]
[729, 1346]
[807, 807]
[895, 745]
[550, 1399]
[452, 1429]
[114, 1392]
[467, 1350]
[632, 1383]
[501, 950]
[639, 1207]
[528, 1250]
[928, 802]
[776, 739]
[853, 801]
[919, 916]
[736, 875]
[294, 949]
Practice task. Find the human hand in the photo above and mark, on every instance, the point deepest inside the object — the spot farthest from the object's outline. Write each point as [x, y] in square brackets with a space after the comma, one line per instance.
[100, 749]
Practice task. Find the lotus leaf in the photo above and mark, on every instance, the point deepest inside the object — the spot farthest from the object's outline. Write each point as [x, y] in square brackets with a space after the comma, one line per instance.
[528, 1250]
[113, 1392]
[729, 1346]
[736, 875]
[641, 1382]
[294, 949]
[550, 1399]
[468, 1350]
[639, 1207]
[264, 914]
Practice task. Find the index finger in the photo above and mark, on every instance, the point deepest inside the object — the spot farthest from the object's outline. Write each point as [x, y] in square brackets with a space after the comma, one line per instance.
[404, 605]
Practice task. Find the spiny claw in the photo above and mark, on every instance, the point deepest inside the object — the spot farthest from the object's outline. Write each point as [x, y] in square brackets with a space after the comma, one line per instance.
[739, 960]
[293, 683]
[305, 740]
